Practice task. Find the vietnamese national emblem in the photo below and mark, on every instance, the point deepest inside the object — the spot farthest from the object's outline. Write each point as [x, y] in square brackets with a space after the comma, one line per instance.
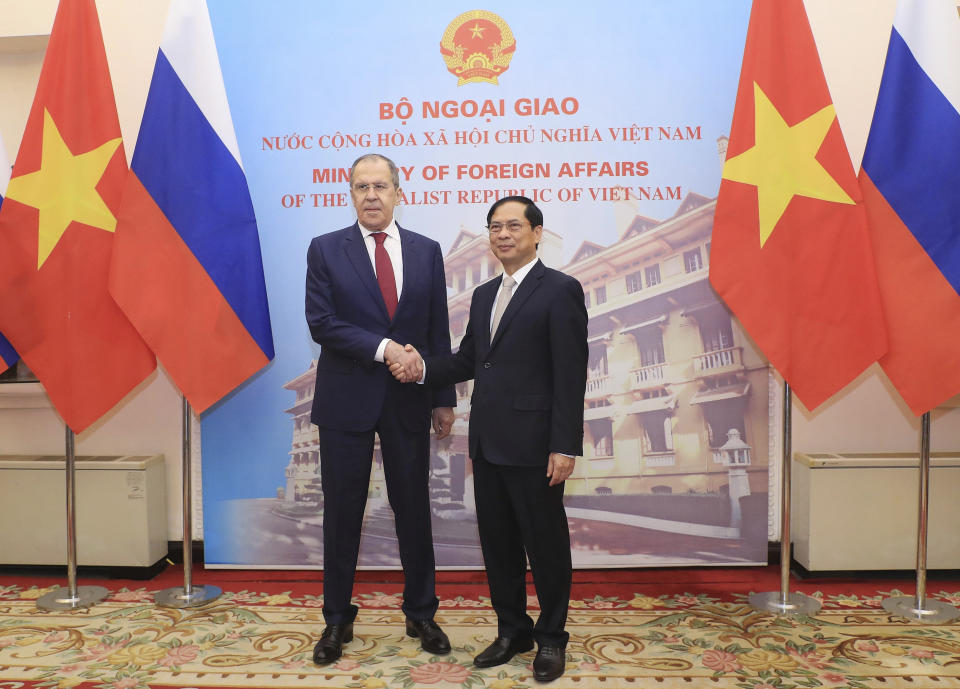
[477, 46]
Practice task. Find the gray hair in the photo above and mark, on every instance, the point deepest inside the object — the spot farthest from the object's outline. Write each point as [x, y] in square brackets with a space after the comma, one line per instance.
[394, 174]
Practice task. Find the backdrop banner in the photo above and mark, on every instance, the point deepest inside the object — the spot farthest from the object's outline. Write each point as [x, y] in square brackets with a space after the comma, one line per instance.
[614, 118]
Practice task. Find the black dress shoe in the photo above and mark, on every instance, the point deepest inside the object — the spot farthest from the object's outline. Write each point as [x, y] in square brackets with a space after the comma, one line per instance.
[549, 663]
[432, 638]
[502, 650]
[330, 646]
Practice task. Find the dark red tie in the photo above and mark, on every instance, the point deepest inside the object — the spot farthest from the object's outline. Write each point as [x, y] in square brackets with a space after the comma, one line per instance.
[385, 277]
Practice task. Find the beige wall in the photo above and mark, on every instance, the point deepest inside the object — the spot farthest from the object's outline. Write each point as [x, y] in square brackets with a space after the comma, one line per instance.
[852, 38]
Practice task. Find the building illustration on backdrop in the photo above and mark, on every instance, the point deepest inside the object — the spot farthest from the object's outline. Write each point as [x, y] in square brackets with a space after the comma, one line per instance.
[670, 374]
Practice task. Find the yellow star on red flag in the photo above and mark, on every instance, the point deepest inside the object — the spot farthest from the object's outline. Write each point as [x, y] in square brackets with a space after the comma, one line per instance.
[783, 162]
[64, 189]
[790, 254]
[57, 229]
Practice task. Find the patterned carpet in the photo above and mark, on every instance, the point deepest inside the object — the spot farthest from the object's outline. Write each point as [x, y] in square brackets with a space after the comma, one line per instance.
[263, 639]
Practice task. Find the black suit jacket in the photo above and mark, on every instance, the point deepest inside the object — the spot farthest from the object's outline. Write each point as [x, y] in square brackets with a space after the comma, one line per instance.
[529, 382]
[347, 317]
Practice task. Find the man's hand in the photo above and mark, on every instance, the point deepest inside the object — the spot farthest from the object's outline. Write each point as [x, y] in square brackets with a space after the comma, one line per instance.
[392, 352]
[443, 418]
[399, 372]
[404, 362]
[559, 468]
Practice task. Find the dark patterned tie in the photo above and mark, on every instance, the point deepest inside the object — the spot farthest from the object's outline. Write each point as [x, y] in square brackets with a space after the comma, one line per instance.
[385, 277]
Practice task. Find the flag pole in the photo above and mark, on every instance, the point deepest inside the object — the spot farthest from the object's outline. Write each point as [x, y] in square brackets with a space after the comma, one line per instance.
[73, 596]
[918, 607]
[783, 602]
[188, 595]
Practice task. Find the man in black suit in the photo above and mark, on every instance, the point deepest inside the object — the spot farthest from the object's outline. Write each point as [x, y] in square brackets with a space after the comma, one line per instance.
[525, 346]
[369, 287]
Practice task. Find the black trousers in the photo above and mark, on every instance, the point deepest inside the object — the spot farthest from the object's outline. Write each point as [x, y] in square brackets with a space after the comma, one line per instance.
[345, 463]
[520, 517]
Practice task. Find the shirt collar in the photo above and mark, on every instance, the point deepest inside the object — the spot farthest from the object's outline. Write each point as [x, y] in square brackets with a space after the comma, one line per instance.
[521, 273]
[390, 229]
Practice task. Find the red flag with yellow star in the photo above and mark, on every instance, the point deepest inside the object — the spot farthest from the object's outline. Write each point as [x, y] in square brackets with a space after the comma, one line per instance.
[56, 231]
[790, 253]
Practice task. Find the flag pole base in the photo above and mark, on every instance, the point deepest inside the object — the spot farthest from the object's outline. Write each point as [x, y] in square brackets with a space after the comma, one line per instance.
[60, 598]
[931, 612]
[177, 596]
[795, 603]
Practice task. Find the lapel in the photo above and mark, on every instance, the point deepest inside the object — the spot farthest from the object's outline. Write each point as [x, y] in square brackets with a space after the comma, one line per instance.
[522, 293]
[409, 251]
[486, 294]
[356, 250]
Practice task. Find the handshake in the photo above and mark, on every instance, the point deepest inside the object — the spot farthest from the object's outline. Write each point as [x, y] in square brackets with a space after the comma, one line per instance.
[405, 362]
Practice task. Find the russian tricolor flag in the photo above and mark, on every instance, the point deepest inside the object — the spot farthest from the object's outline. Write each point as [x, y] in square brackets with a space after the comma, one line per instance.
[910, 180]
[186, 266]
[8, 355]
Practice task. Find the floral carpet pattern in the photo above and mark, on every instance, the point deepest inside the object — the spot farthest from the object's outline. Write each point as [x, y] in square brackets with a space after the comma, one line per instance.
[264, 640]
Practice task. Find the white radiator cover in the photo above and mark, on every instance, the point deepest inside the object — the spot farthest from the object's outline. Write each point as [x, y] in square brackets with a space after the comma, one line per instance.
[121, 509]
[858, 511]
